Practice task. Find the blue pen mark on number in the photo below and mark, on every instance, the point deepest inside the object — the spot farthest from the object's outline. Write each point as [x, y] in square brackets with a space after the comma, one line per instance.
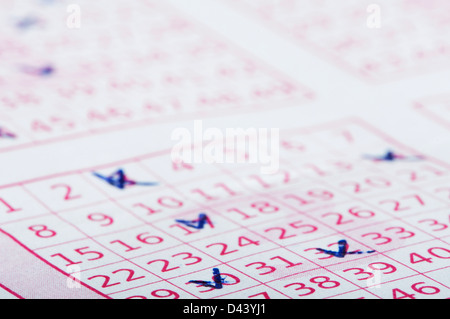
[6, 134]
[217, 282]
[197, 223]
[27, 22]
[120, 180]
[343, 250]
[46, 70]
[390, 156]
[43, 71]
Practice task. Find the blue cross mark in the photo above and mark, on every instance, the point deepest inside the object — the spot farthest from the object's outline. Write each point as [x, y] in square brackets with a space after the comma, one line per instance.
[217, 282]
[197, 223]
[6, 134]
[343, 250]
[121, 181]
[390, 156]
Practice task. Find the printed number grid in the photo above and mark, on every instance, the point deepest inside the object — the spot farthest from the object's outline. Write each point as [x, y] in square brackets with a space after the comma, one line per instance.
[410, 40]
[152, 64]
[126, 243]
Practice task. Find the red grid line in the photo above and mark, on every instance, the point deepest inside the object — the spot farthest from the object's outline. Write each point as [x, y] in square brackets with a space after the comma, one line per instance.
[10, 291]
